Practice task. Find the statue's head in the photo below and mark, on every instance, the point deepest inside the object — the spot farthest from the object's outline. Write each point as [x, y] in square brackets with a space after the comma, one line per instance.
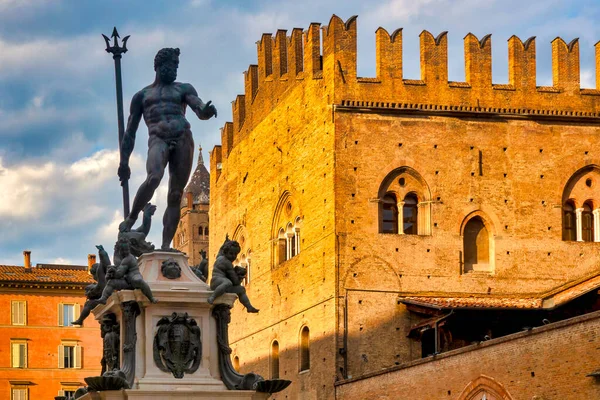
[94, 270]
[166, 63]
[123, 247]
[230, 249]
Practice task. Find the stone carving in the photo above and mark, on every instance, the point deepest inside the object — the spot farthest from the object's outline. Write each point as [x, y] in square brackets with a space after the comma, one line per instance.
[163, 104]
[170, 269]
[226, 278]
[110, 332]
[201, 270]
[177, 345]
[111, 380]
[130, 312]
[94, 291]
[232, 379]
[125, 275]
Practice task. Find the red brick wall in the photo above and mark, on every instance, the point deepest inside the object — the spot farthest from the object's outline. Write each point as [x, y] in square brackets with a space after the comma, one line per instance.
[43, 338]
[549, 363]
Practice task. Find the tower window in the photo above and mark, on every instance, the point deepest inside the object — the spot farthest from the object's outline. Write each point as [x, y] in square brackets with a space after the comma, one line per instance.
[409, 214]
[275, 360]
[476, 246]
[389, 214]
[569, 225]
[587, 223]
[304, 349]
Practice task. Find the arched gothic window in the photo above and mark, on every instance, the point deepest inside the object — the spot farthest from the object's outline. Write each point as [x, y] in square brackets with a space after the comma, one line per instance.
[389, 222]
[476, 243]
[410, 214]
[206, 232]
[587, 222]
[304, 349]
[404, 203]
[275, 360]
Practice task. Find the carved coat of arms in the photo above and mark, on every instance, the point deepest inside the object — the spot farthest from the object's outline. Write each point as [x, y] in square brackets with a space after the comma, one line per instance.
[177, 345]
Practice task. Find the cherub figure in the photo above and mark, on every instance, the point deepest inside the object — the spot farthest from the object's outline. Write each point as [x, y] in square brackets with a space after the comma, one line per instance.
[137, 237]
[126, 275]
[201, 270]
[226, 278]
[94, 291]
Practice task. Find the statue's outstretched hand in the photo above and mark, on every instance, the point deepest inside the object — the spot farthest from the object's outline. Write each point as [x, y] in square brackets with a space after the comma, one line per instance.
[124, 172]
[210, 109]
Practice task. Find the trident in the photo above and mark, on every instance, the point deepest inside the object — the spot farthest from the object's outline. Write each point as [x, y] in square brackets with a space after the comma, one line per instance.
[116, 51]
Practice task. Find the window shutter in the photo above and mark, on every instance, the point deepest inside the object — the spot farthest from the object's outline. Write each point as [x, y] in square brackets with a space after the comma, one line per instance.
[15, 355]
[60, 314]
[77, 356]
[23, 354]
[61, 392]
[24, 313]
[76, 311]
[13, 315]
[61, 356]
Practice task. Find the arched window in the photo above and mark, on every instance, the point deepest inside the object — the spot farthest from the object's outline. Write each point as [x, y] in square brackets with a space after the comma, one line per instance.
[587, 222]
[569, 225]
[409, 214]
[389, 222]
[476, 246]
[304, 349]
[236, 363]
[281, 247]
[206, 232]
[200, 231]
[275, 360]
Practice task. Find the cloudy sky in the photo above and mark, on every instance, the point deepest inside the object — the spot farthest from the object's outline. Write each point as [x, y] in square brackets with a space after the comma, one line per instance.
[59, 195]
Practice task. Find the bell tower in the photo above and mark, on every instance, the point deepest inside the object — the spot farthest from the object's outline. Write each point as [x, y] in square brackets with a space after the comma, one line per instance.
[191, 236]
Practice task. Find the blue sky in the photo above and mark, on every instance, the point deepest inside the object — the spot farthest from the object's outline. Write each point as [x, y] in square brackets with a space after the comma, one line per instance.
[59, 195]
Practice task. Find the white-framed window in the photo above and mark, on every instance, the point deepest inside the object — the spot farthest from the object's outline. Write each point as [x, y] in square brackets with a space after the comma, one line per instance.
[18, 353]
[18, 315]
[19, 393]
[69, 355]
[67, 313]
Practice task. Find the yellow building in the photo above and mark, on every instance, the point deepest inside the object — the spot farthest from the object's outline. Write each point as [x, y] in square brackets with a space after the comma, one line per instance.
[386, 220]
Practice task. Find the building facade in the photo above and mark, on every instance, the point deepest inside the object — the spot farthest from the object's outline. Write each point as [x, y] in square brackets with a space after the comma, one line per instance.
[192, 232]
[41, 354]
[386, 221]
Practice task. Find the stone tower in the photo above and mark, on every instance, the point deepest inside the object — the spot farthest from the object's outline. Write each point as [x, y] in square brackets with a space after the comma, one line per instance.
[191, 236]
[391, 221]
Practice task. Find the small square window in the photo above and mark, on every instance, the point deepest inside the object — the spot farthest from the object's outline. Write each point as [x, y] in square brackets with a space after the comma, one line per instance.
[18, 354]
[19, 393]
[18, 315]
[67, 313]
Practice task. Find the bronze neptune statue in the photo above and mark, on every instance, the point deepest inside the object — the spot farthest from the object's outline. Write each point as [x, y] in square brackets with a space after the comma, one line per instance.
[163, 105]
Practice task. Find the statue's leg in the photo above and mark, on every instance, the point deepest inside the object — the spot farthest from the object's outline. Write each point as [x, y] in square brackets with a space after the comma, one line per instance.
[139, 283]
[108, 290]
[158, 156]
[241, 292]
[221, 289]
[85, 312]
[180, 166]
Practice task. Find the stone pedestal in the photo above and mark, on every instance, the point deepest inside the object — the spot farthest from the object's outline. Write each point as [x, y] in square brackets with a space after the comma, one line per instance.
[185, 294]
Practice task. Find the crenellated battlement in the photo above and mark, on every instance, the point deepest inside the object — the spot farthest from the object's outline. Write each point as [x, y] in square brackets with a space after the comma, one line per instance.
[286, 62]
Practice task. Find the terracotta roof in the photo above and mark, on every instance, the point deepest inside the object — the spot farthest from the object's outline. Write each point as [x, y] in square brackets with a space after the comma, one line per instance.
[199, 184]
[45, 273]
[472, 302]
[548, 300]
